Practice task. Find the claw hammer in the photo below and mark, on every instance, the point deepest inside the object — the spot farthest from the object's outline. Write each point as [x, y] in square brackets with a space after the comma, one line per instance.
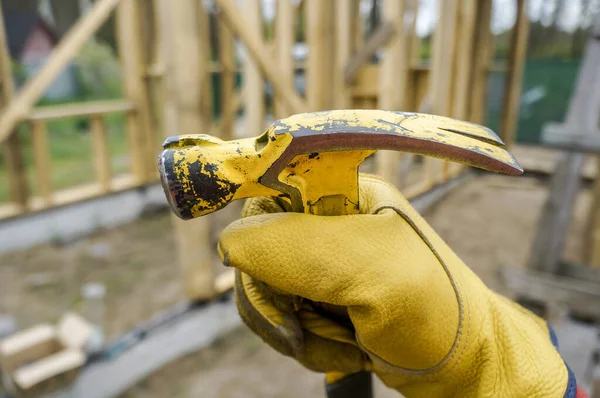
[310, 161]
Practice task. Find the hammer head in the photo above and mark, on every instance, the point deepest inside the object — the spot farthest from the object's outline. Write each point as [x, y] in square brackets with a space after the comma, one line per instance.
[311, 160]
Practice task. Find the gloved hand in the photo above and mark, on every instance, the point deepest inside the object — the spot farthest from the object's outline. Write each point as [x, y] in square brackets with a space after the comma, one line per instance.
[418, 316]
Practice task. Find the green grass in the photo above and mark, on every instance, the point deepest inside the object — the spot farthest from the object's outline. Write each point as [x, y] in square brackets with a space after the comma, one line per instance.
[71, 153]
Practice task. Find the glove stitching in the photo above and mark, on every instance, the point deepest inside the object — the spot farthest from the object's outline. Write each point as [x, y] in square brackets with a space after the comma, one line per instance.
[447, 360]
[463, 305]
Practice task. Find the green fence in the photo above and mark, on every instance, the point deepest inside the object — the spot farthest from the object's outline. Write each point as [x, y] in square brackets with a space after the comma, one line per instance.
[547, 87]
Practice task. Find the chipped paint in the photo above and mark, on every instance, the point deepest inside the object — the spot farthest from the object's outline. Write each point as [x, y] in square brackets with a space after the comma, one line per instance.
[312, 158]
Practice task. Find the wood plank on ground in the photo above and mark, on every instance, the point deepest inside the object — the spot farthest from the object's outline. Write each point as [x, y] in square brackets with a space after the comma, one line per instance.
[189, 333]
[581, 297]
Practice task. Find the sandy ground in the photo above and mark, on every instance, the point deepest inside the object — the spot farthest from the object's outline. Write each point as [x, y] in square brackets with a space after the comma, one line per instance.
[490, 222]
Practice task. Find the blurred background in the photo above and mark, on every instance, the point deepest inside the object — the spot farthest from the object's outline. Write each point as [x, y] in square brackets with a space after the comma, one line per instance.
[90, 89]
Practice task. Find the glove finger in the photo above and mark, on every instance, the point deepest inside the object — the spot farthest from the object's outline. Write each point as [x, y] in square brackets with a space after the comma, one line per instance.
[324, 355]
[273, 323]
[262, 205]
[324, 326]
[325, 259]
[319, 344]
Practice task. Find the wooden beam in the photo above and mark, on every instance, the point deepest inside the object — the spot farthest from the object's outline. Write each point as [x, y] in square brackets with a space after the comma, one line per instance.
[441, 79]
[227, 86]
[464, 43]
[592, 227]
[394, 71]
[415, 41]
[53, 112]
[100, 151]
[482, 55]
[15, 172]
[285, 30]
[464, 39]
[320, 66]
[344, 48]
[71, 43]
[555, 217]
[514, 76]
[380, 37]
[6, 76]
[254, 93]
[255, 45]
[579, 271]
[206, 58]
[582, 114]
[187, 72]
[139, 125]
[14, 162]
[581, 297]
[41, 153]
[359, 25]
[558, 135]
[442, 68]
[167, 337]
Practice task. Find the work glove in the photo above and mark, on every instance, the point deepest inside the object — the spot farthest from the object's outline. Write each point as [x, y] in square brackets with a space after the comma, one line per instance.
[381, 291]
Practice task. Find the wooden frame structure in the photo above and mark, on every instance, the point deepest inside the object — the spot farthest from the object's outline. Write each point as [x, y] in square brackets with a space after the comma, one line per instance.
[166, 56]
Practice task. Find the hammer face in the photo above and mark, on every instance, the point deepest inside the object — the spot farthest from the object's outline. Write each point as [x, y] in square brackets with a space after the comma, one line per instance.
[192, 184]
[201, 174]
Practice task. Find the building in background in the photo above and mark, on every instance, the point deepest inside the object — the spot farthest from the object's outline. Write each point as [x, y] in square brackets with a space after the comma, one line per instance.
[30, 42]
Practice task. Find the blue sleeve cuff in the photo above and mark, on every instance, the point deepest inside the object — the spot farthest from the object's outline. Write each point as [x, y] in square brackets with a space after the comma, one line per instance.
[571, 390]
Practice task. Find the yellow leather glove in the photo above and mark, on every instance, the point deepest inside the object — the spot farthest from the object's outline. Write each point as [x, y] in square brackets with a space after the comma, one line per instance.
[418, 316]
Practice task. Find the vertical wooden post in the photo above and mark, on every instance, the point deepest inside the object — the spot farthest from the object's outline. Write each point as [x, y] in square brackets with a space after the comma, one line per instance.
[393, 79]
[132, 67]
[442, 58]
[284, 41]
[186, 72]
[319, 71]
[16, 172]
[41, 152]
[359, 25]
[206, 104]
[101, 153]
[152, 78]
[228, 72]
[344, 47]
[415, 42]
[13, 156]
[464, 38]
[254, 93]
[482, 54]
[592, 233]
[514, 76]
[440, 83]
[467, 12]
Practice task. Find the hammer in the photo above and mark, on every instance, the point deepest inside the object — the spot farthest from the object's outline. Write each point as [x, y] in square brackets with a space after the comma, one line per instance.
[310, 161]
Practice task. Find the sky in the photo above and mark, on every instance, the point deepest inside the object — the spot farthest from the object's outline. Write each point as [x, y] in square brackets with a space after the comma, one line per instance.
[503, 13]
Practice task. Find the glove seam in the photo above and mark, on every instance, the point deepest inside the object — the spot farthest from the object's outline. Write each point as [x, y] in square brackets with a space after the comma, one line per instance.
[446, 363]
